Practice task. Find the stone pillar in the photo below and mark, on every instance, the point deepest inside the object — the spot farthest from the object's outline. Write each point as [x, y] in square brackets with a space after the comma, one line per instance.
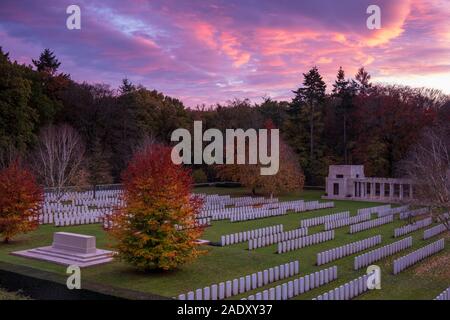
[382, 190]
[411, 191]
[391, 190]
[401, 191]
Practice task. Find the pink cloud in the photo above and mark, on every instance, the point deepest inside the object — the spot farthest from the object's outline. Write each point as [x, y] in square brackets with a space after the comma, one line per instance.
[213, 51]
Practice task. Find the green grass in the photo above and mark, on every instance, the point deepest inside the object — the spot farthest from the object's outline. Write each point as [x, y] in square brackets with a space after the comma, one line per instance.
[6, 295]
[230, 262]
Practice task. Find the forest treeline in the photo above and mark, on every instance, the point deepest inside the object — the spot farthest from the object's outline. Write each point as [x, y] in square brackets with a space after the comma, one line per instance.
[354, 122]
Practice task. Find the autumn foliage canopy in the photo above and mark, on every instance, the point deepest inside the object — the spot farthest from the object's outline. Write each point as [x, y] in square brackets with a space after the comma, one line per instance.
[156, 229]
[20, 201]
[289, 177]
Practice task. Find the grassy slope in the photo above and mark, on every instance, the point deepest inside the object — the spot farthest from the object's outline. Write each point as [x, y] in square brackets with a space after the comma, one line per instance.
[5, 295]
[231, 262]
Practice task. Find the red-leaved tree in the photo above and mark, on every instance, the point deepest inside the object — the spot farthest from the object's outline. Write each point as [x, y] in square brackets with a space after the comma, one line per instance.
[156, 229]
[20, 201]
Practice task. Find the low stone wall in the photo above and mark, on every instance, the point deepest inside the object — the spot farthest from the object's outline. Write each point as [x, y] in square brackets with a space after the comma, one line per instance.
[43, 285]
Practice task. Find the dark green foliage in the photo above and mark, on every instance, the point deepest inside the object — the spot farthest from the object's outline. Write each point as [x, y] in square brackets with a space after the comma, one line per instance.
[355, 123]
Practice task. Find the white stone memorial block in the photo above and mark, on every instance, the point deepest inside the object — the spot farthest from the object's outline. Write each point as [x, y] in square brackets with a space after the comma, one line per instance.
[276, 273]
[284, 291]
[260, 279]
[287, 270]
[316, 279]
[290, 292]
[206, 293]
[302, 285]
[312, 282]
[235, 287]
[241, 285]
[228, 289]
[198, 294]
[272, 294]
[191, 295]
[254, 281]
[278, 293]
[271, 275]
[321, 278]
[296, 287]
[221, 291]
[70, 249]
[248, 283]
[265, 277]
[214, 292]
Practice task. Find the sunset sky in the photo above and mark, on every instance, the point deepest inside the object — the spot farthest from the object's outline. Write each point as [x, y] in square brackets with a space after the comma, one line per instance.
[212, 51]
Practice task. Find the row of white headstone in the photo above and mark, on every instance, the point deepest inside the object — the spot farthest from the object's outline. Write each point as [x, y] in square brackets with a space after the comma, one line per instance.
[323, 219]
[434, 231]
[88, 215]
[280, 209]
[250, 201]
[298, 286]
[347, 221]
[346, 250]
[316, 205]
[299, 243]
[243, 236]
[76, 196]
[347, 291]
[398, 232]
[227, 213]
[371, 224]
[374, 209]
[243, 284]
[265, 210]
[198, 223]
[275, 238]
[396, 210]
[76, 220]
[367, 258]
[216, 206]
[257, 214]
[444, 295]
[405, 262]
[413, 213]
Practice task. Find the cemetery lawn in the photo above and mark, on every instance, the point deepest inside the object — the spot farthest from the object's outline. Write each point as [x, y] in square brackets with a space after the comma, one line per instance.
[425, 280]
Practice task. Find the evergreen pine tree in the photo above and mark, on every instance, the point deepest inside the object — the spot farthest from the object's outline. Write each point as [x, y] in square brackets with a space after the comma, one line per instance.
[47, 62]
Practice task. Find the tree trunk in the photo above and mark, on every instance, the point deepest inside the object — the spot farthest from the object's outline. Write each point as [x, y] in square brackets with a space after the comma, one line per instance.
[345, 138]
[311, 132]
[6, 240]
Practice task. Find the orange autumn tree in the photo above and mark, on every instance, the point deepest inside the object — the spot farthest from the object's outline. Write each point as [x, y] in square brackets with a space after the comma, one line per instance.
[156, 229]
[289, 177]
[20, 201]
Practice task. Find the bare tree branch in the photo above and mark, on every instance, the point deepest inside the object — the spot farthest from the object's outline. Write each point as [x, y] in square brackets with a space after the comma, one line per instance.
[58, 156]
[428, 165]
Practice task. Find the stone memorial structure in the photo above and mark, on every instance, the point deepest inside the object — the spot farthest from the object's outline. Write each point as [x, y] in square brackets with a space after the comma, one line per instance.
[70, 249]
[349, 182]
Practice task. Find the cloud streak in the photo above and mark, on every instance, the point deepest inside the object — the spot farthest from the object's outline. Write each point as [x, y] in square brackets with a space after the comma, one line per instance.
[214, 51]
